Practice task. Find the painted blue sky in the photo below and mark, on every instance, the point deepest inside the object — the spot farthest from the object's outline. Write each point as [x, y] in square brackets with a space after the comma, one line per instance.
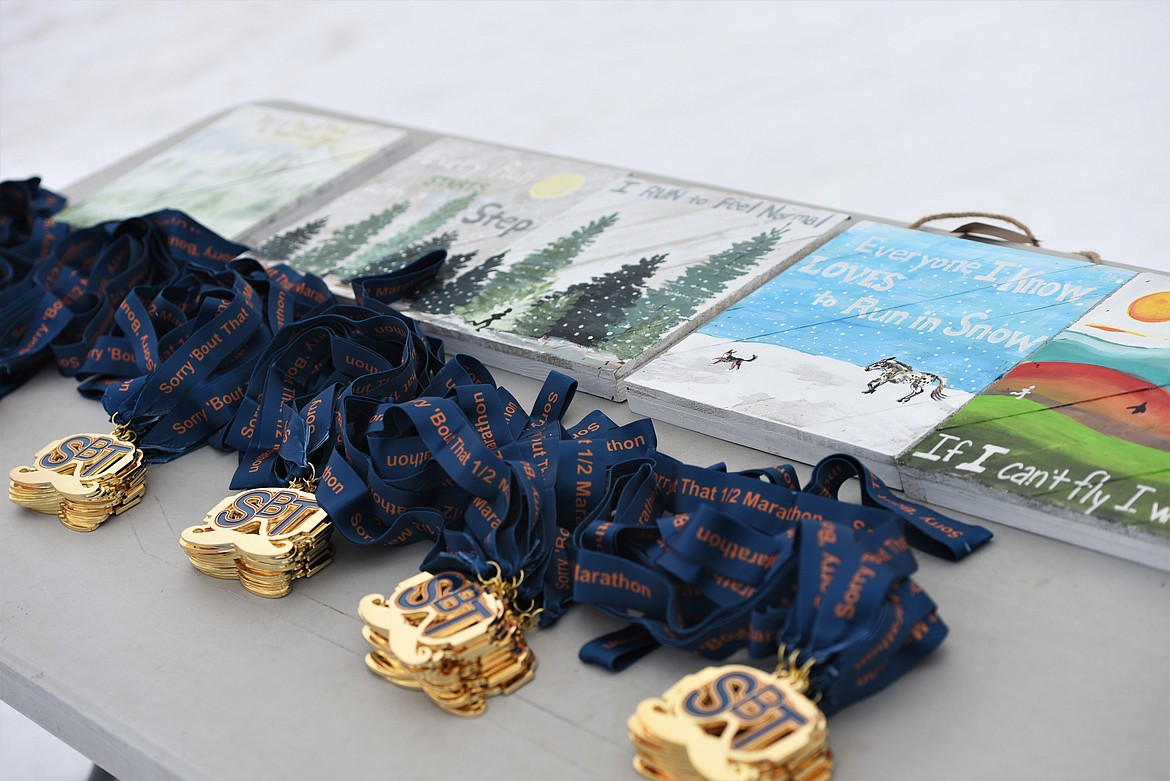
[963, 310]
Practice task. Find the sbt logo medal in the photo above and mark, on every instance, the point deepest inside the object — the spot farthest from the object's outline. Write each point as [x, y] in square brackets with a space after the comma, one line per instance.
[83, 479]
[266, 537]
[455, 639]
[733, 723]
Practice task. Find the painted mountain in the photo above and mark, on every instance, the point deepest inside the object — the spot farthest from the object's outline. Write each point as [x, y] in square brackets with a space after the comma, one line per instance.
[868, 343]
[610, 282]
[243, 169]
[473, 199]
[1082, 427]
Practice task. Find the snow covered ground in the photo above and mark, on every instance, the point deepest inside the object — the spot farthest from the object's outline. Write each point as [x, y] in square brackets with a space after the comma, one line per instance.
[793, 394]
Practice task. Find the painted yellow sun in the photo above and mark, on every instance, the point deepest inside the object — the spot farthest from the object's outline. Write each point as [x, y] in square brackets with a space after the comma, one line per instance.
[556, 186]
[1151, 308]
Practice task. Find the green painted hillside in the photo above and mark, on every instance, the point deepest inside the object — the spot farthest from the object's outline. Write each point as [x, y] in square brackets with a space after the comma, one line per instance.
[1043, 443]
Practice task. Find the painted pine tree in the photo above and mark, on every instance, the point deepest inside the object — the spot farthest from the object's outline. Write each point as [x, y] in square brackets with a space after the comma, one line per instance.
[357, 264]
[602, 301]
[435, 298]
[660, 309]
[397, 260]
[284, 245]
[460, 291]
[532, 277]
[345, 240]
[545, 311]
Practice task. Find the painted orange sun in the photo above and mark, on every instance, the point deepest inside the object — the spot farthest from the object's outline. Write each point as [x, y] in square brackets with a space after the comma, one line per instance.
[1151, 308]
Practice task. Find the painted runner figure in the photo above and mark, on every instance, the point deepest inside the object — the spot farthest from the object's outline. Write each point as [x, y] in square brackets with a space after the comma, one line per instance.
[491, 319]
[893, 370]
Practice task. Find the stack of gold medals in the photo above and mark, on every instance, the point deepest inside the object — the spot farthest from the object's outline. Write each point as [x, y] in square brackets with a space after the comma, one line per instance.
[733, 723]
[83, 479]
[266, 537]
[456, 640]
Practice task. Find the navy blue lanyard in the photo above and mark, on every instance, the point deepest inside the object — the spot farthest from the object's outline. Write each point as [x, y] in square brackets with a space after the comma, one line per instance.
[80, 285]
[28, 236]
[855, 619]
[320, 355]
[184, 396]
[28, 231]
[711, 561]
[334, 351]
[694, 549]
[927, 530]
[464, 467]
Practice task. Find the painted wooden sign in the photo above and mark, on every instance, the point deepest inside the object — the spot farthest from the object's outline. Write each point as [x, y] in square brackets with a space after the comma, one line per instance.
[473, 199]
[1076, 438]
[604, 286]
[868, 343]
[238, 173]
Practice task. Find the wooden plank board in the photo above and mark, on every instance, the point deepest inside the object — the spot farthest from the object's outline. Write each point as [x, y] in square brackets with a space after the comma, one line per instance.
[471, 198]
[1075, 442]
[613, 281]
[868, 343]
[243, 170]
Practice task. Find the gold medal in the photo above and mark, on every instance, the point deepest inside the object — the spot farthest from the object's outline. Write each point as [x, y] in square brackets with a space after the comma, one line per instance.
[83, 479]
[733, 723]
[265, 537]
[456, 640]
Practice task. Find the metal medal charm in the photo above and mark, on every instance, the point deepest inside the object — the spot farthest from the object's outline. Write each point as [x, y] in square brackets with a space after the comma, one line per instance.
[83, 478]
[453, 638]
[732, 723]
[266, 537]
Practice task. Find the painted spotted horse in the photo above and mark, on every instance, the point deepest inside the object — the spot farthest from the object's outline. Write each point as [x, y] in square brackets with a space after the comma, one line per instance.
[733, 359]
[893, 370]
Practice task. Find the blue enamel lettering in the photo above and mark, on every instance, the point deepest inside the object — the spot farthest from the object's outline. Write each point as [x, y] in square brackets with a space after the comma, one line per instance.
[91, 454]
[281, 509]
[763, 709]
[454, 598]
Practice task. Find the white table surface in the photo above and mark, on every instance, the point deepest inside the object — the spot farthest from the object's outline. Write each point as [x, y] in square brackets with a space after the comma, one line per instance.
[1055, 667]
[1056, 113]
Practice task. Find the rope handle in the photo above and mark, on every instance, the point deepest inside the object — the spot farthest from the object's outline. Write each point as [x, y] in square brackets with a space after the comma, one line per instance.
[1024, 236]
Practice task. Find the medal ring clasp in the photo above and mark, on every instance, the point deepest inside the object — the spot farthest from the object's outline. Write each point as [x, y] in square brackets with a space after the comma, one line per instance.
[122, 430]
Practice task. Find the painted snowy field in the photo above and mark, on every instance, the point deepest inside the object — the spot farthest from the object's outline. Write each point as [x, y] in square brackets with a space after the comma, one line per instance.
[790, 392]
